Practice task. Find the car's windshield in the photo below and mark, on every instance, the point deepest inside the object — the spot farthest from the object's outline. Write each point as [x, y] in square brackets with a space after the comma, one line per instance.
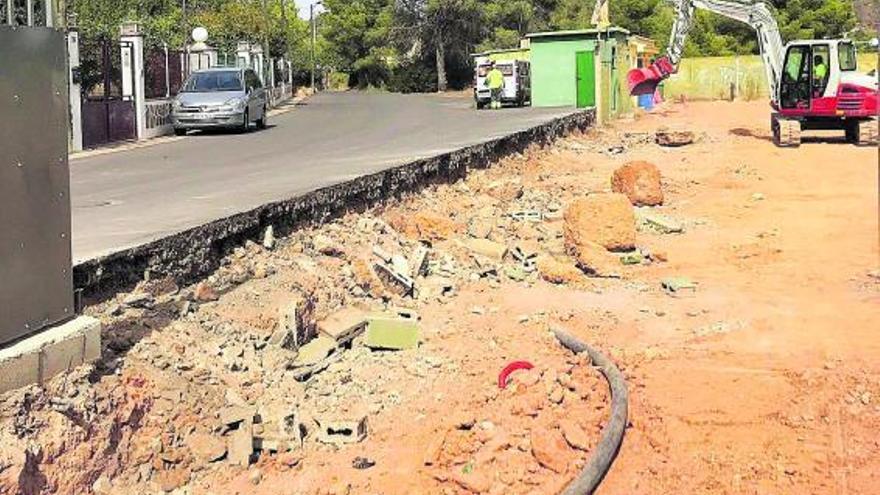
[207, 82]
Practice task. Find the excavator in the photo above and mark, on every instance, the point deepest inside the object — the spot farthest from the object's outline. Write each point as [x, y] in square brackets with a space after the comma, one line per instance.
[814, 84]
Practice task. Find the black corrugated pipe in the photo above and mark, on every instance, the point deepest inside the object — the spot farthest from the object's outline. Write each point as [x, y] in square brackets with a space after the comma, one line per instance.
[612, 434]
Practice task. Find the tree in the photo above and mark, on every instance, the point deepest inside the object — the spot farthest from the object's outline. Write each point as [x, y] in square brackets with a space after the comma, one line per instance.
[358, 34]
[446, 28]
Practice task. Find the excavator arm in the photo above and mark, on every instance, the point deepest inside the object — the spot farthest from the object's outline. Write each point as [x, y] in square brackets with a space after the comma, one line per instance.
[757, 15]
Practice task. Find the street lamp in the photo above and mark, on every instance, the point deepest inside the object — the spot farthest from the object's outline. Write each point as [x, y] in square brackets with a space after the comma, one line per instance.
[314, 38]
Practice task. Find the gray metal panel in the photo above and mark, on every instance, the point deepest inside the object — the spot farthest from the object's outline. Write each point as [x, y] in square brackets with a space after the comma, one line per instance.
[36, 285]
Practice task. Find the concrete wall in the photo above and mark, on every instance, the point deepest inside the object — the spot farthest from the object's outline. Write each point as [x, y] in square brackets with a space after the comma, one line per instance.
[553, 70]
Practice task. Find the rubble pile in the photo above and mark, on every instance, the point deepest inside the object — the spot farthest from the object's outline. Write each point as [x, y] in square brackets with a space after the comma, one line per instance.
[298, 347]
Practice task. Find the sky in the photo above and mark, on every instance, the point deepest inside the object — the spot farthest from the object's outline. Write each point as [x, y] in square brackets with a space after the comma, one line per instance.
[303, 6]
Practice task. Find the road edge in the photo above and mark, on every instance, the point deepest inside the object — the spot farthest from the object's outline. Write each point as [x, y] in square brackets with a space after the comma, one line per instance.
[194, 253]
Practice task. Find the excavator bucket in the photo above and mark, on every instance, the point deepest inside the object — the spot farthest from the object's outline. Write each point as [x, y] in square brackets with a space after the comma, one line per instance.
[644, 81]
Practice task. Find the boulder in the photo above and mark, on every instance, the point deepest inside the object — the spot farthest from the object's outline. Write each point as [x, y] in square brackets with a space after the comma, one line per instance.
[640, 182]
[557, 271]
[604, 219]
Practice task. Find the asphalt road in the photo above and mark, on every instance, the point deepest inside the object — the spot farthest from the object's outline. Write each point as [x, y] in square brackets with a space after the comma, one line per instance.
[129, 198]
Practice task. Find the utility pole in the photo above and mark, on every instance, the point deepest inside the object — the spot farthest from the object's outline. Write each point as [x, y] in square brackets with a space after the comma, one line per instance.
[314, 39]
[185, 40]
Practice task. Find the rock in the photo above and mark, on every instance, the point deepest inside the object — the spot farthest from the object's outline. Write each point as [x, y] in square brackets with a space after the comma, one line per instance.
[489, 249]
[594, 260]
[505, 190]
[327, 246]
[604, 219]
[574, 435]
[667, 137]
[102, 486]
[423, 225]
[556, 271]
[255, 476]
[472, 481]
[362, 463]
[550, 450]
[172, 479]
[480, 228]
[206, 448]
[138, 300]
[205, 293]
[640, 182]
[269, 238]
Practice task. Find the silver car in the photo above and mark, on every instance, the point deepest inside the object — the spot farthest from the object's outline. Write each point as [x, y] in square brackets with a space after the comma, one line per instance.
[220, 98]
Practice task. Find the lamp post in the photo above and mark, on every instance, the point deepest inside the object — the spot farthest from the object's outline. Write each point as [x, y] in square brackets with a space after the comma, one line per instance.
[314, 39]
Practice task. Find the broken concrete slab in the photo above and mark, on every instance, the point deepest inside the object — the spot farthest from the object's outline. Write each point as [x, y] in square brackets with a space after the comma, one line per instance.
[489, 249]
[390, 333]
[240, 445]
[399, 283]
[678, 284]
[341, 430]
[658, 223]
[315, 351]
[344, 325]
[420, 261]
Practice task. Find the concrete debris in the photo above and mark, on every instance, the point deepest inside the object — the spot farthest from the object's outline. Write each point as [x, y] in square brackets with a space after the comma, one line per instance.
[240, 445]
[269, 238]
[383, 255]
[527, 216]
[341, 429]
[489, 249]
[362, 463]
[315, 351]
[557, 271]
[397, 282]
[344, 325]
[390, 333]
[632, 258]
[296, 324]
[205, 293]
[327, 246]
[138, 300]
[207, 448]
[674, 138]
[420, 261]
[658, 223]
[678, 284]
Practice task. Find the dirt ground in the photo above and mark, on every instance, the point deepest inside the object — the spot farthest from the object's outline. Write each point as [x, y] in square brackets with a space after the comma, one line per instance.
[762, 380]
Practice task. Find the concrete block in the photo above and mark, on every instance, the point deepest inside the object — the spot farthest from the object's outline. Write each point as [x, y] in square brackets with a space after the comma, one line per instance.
[392, 333]
[338, 430]
[344, 325]
[52, 351]
[400, 283]
[19, 371]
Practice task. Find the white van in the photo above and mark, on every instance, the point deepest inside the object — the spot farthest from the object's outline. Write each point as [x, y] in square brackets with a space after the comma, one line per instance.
[517, 82]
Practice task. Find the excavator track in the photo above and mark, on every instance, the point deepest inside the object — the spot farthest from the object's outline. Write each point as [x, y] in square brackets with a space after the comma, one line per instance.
[867, 133]
[786, 132]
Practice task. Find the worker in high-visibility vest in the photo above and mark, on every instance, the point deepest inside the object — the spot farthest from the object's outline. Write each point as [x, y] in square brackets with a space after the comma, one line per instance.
[820, 73]
[495, 82]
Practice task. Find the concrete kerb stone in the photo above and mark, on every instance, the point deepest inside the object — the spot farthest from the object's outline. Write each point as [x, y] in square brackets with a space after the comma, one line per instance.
[190, 255]
[390, 332]
[53, 351]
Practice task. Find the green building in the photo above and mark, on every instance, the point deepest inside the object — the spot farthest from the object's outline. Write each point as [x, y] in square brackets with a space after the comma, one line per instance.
[582, 68]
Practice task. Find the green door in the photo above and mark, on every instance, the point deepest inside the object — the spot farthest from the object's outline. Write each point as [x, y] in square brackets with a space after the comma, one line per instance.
[586, 79]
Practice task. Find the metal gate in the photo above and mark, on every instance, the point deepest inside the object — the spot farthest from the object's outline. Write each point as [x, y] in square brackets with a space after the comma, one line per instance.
[108, 106]
[36, 286]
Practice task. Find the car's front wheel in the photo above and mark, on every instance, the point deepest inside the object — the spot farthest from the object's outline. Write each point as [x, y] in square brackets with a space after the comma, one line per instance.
[264, 120]
[245, 122]
[179, 131]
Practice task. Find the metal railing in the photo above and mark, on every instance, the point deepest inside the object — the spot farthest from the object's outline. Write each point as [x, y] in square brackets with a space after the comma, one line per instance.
[33, 14]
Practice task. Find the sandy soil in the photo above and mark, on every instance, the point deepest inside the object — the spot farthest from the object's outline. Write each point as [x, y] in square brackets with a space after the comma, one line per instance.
[764, 380]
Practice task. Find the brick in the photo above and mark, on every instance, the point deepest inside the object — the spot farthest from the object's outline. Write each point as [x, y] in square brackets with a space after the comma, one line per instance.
[392, 333]
[344, 325]
[342, 430]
